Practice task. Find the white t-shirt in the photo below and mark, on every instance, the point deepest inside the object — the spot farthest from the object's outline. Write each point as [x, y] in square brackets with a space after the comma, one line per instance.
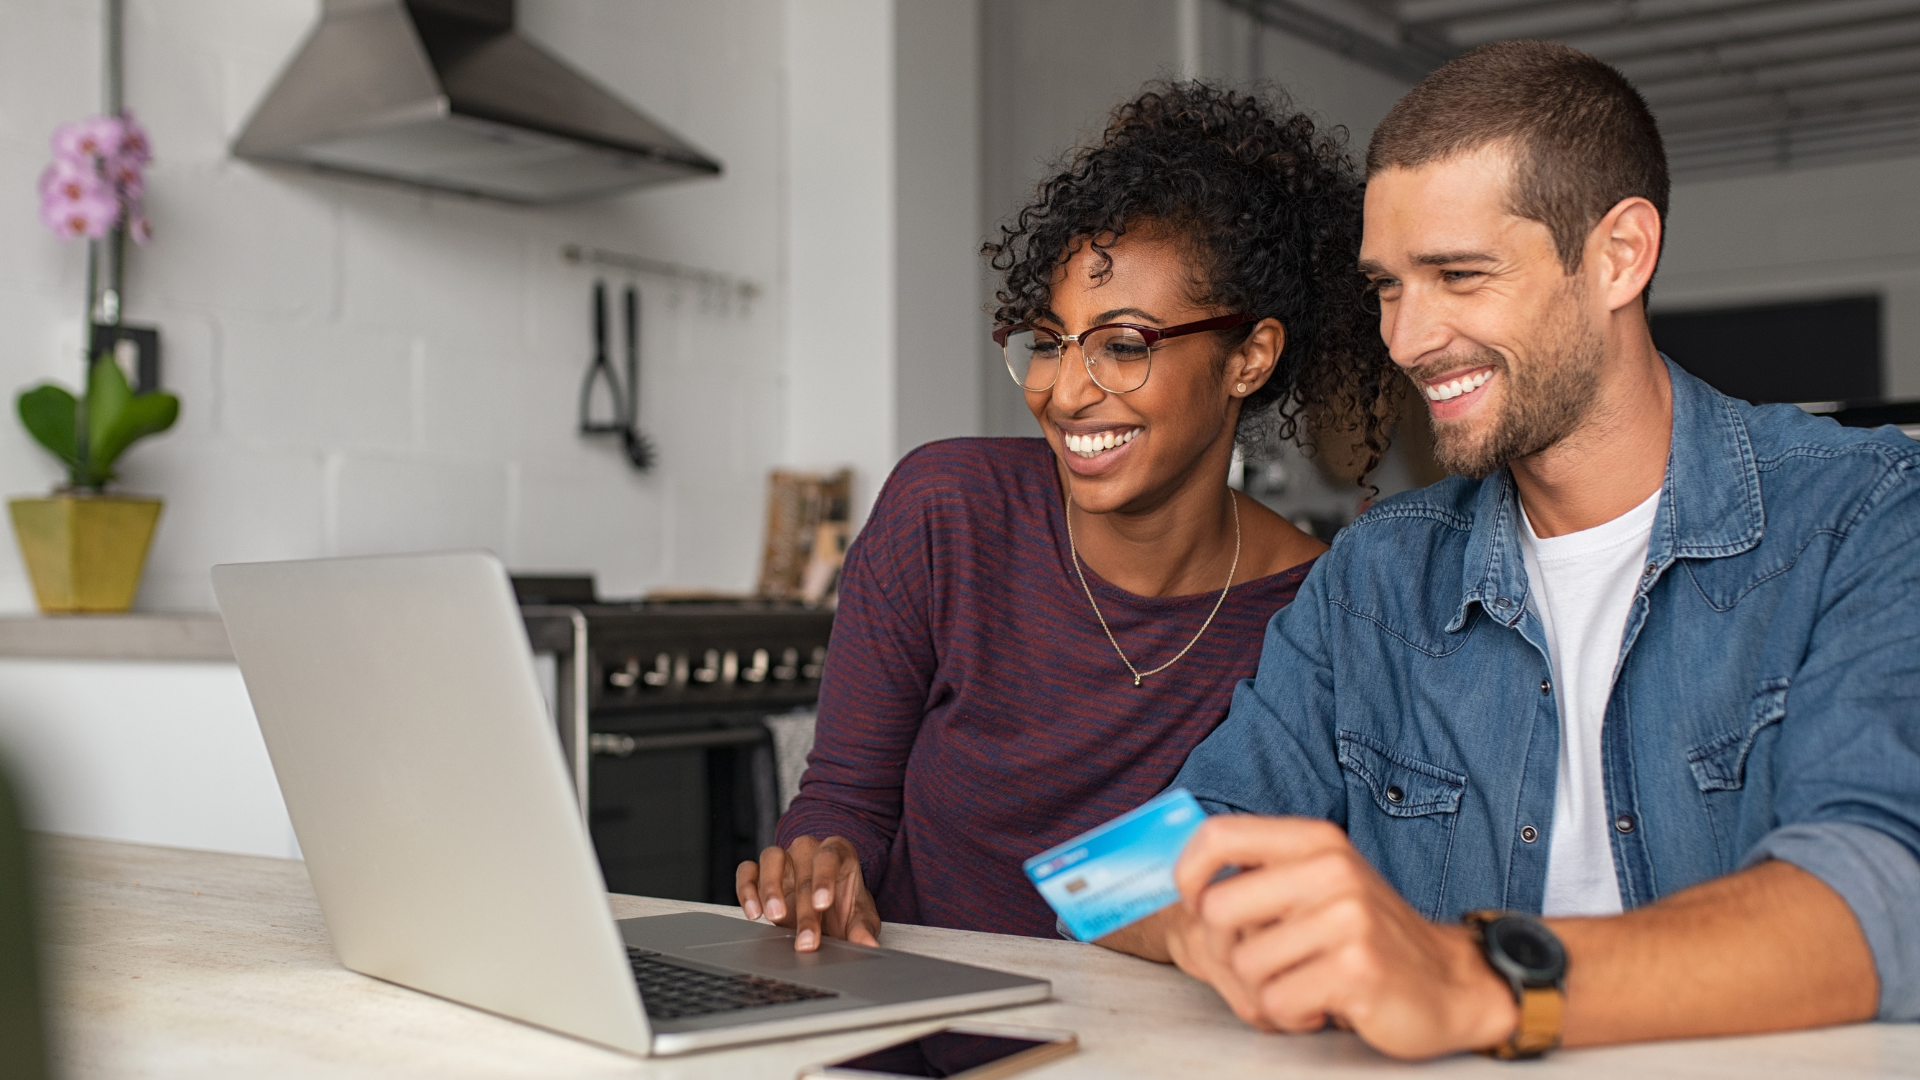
[1581, 587]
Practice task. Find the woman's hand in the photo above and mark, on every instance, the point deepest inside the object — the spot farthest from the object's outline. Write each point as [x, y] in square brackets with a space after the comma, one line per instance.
[815, 887]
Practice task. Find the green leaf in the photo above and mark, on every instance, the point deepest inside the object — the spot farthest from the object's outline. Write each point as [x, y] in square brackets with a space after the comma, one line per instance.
[107, 395]
[48, 413]
[137, 418]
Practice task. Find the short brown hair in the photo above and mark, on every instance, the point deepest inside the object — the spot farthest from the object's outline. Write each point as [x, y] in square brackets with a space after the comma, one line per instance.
[1582, 137]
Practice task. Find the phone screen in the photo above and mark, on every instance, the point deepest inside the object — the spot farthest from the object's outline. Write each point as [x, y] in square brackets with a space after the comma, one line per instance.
[939, 1053]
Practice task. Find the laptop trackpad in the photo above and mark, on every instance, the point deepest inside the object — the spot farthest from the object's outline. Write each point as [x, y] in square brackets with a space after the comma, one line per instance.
[775, 954]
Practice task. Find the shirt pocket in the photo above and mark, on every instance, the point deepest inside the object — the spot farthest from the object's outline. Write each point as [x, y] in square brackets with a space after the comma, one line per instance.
[1719, 768]
[1401, 815]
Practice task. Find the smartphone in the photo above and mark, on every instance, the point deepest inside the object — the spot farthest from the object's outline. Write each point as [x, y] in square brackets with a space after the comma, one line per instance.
[969, 1051]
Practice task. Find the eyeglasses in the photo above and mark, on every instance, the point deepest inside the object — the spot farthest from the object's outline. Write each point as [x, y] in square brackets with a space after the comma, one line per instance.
[1119, 356]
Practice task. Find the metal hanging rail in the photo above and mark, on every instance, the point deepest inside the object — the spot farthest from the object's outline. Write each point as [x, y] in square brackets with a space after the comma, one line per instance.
[726, 284]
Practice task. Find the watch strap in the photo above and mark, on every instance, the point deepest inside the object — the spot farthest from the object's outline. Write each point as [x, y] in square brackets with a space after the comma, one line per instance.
[1541, 1007]
[1539, 1029]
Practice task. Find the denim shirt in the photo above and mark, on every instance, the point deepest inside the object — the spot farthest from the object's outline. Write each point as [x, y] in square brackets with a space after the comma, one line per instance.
[1765, 704]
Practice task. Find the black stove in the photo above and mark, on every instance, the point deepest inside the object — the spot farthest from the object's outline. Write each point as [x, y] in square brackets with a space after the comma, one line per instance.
[661, 709]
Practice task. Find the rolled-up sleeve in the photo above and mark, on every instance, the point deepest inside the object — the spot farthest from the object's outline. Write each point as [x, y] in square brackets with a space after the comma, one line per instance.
[1880, 880]
[1846, 803]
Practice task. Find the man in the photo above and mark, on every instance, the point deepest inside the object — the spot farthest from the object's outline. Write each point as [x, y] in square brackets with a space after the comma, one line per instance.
[1648, 665]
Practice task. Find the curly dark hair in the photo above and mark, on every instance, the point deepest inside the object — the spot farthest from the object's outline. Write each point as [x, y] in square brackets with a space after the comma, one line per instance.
[1268, 205]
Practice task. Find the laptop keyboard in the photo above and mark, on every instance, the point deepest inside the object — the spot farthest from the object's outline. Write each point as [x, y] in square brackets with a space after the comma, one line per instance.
[671, 991]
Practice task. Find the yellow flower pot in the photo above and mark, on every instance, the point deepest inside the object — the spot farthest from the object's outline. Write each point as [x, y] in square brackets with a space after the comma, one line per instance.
[84, 552]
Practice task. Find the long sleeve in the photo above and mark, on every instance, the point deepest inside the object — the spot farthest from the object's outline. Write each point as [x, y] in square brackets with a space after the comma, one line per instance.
[873, 694]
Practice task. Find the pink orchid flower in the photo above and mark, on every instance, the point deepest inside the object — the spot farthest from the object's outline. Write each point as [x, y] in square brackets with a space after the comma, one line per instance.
[92, 218]
[135, 147]
[127, 177]
[68, 181]
[138, 227]
[94, 137]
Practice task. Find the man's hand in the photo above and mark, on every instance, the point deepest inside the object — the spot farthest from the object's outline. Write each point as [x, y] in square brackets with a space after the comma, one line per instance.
[816, 887]
[1174, 935]
[1310, 934]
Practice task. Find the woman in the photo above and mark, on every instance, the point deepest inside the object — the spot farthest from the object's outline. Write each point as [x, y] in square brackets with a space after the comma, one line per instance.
[1033, 633]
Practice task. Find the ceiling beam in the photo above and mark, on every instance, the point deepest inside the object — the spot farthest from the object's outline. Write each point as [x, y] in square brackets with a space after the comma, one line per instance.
[1754, 53]
[1409, 61]
[1834, 100]
[1429, 11]
[1780, 148]
[1787, 78]
[1772, 19]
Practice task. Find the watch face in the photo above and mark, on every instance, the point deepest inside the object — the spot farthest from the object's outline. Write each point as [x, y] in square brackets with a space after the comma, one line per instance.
[1528, 947]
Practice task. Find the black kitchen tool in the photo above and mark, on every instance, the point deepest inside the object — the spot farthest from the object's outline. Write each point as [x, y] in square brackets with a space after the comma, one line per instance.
[601, 371]
[639, 447]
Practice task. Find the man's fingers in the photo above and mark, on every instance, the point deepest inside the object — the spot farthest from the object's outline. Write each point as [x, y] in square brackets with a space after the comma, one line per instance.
[746, 888]
[1300, 1000]
[1201, 951]
[1271, 952]
[1243, 840]
[1256, 898]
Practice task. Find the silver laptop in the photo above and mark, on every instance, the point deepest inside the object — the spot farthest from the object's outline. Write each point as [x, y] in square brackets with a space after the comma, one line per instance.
[406, 723]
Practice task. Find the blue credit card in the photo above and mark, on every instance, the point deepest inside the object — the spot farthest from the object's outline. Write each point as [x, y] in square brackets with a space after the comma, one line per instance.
[1121, 872]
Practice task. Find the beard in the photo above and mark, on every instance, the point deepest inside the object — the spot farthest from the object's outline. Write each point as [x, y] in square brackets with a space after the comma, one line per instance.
[1545, 400]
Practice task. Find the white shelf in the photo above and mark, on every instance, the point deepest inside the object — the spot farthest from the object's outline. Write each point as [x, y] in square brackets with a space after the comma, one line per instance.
[195, 636]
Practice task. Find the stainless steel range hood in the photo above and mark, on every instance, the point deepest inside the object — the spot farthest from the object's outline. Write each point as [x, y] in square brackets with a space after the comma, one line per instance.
[446, 94]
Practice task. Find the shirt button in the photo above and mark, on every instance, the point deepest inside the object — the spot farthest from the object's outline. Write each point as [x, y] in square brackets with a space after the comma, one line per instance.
[1546, 686]
[1651, 569]
[1503, 602]
[1395, 795]
[1529, 833]
[1624, 823]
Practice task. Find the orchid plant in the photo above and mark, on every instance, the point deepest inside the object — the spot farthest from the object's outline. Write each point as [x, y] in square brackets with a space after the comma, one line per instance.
[94, 190]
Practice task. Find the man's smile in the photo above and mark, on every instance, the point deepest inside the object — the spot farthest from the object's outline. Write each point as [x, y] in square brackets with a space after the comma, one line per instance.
[1456, 386]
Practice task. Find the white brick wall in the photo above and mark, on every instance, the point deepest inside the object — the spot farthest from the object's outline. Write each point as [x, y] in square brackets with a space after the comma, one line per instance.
[371, 368]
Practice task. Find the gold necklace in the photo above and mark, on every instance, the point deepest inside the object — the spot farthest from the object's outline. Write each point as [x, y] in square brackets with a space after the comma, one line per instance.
[1137, 673]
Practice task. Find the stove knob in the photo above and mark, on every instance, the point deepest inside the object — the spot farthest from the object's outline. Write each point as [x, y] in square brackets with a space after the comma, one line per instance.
[819, 664]
[709, 671]
[789, 668]
[662, 672]
[625, 677]
[758, 672]
[730, 668]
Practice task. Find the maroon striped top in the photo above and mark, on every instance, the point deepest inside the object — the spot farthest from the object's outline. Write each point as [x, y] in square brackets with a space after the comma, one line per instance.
[973, 713]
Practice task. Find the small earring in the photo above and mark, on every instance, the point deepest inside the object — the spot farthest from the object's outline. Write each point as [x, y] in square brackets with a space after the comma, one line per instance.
[1240, 388]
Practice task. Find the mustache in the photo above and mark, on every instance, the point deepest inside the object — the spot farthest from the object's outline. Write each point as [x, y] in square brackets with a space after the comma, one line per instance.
[1422, 373]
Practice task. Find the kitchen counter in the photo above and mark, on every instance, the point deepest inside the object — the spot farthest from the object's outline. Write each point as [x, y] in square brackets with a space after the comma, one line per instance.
[191, 637]
[165, 962]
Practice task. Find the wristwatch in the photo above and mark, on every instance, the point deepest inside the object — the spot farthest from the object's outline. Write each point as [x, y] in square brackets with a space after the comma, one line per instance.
[1521, 950]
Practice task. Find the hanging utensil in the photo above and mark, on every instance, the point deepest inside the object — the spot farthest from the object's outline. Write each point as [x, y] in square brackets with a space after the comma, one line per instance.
[601, 370]
[639, 447]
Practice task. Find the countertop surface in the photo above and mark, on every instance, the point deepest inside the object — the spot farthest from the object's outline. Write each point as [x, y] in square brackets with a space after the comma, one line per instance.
[191, 636]
[164, 962]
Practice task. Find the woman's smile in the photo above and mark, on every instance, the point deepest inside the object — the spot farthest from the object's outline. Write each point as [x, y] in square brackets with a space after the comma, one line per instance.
[1091, 444]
